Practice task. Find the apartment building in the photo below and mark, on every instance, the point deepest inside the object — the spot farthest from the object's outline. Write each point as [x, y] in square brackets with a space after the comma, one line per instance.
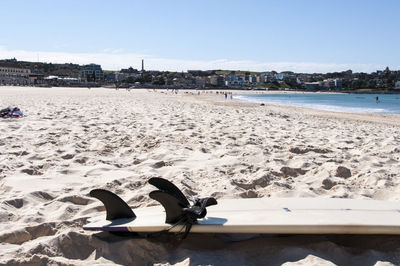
[90, 70]
[14, 75]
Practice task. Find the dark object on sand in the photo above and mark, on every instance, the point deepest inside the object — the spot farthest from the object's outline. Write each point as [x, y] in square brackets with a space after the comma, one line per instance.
[11, 112]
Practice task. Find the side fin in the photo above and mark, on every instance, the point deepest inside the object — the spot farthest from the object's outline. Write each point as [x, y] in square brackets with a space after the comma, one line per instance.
[173, 207]
[116, 207]
[164, 185]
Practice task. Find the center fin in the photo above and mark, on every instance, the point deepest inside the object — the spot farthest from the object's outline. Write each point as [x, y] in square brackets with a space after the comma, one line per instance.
[164, 185]
[173, 207]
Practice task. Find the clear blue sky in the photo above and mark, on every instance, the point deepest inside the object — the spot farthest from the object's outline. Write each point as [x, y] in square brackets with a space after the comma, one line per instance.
[308, 35]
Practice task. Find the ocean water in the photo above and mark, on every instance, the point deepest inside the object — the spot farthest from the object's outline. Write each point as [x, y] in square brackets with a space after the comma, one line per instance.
[353, 103]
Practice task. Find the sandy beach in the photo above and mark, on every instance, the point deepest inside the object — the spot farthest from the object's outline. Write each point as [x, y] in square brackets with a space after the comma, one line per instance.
[75, 139]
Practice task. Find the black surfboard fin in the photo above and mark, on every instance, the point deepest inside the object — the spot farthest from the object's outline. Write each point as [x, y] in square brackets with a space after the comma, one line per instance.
[164, 185]
[176, 205]
[173, 207]
[116, 207]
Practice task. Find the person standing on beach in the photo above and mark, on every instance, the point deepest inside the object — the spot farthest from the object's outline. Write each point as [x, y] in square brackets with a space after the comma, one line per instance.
[377, 99]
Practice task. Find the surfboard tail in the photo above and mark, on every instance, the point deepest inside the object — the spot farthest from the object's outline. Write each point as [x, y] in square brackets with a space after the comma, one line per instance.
[177, 207]
[116, 208]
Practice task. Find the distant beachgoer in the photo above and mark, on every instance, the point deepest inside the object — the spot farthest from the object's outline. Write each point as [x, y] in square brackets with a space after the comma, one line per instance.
[377, 99]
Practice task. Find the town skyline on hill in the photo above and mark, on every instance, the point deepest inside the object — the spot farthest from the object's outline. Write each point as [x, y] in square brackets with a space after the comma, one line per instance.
[14, 72]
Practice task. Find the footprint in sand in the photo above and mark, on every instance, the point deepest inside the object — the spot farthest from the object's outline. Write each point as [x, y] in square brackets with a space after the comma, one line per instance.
[16, 203]
[68, 156]
[28, 233]
[31, 171]
[77, 200]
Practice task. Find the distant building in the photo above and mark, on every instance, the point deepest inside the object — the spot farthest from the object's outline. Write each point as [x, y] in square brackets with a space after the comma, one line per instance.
[397, 87]
[90, 70]
[329, 84]
[129, 70]
[290, 79]
[241, 79]
[200, 81]
[338, 83]
[233, 80]
[14, 76]
[253, 79]
[378, 81]
[281, 76]
[217, 80]
[299, 81]
[332, 83]
[110, 77]
[312, 85]
[181, 81]
[61, 81]
[266, 77]
[124, 76]
[231, 77]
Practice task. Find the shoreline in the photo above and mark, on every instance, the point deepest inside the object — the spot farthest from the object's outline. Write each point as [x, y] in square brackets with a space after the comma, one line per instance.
[388, 119]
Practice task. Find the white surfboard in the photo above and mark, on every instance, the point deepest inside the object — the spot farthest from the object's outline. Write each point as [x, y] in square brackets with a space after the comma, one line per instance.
[272, 216]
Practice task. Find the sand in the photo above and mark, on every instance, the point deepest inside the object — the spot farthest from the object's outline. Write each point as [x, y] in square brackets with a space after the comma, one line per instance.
[74, 140]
